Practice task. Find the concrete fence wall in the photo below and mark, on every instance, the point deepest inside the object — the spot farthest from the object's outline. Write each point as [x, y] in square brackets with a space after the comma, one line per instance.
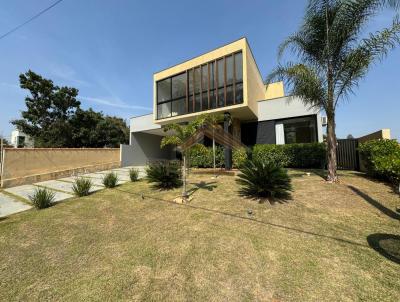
[27, 165]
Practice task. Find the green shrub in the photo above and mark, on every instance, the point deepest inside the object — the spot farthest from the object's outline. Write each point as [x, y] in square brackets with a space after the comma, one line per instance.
[134, 174]
[239, 157]
[82, 186]
[110, 180]
[202, 157]
[263, 178]
[311, 155]
[382, 159]
[274, 154]
[164, 175]
[42, 198]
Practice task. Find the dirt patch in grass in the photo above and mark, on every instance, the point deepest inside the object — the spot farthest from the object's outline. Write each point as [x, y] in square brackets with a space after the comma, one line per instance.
[115, 245]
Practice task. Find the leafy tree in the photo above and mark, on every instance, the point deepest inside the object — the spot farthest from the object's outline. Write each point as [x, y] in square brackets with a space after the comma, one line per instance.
[334, 56]
[49, 111]
[112, 131]
[54, 118]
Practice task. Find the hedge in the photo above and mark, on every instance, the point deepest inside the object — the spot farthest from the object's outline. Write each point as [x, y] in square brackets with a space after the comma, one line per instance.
[382, 159]
[312, 155]
[202, 157]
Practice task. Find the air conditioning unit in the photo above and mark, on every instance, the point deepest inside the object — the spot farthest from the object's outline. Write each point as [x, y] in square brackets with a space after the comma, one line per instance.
[324, 120]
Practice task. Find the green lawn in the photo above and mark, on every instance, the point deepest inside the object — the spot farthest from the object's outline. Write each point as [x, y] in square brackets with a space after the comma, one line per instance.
[114, 245]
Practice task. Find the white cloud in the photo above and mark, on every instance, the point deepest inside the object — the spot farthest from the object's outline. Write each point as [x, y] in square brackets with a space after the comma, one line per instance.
[114, 103]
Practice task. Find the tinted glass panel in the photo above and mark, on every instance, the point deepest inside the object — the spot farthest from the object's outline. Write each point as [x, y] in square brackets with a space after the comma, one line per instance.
[213, 101]
[164, 110]
[178, 107]
[197, 102]
[229, 95]
[212, 73]
[300, 130]
[204, 78]
[220, 64]
[229, 70]
[190, 104]
[179, 86]
[221, 99]
[164, 90]
[204, 100]
[197, 80]
[190, 77]
[238, 67]
[239, 94]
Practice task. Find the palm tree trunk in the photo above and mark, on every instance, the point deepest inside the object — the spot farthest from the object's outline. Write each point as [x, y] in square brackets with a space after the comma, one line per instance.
[215, 171]
[332, 143]
[184, 191]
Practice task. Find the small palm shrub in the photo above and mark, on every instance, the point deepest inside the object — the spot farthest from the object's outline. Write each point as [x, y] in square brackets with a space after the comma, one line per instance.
[82, 186]
[110, 180]
[164, 175]
[259, 178]
[42, 198]
[134, 174]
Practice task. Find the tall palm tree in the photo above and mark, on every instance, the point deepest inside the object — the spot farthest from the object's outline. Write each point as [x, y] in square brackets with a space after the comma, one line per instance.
[334, 55]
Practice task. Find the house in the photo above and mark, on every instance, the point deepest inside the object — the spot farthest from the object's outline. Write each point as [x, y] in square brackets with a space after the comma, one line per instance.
[224, 80]
[21, 140]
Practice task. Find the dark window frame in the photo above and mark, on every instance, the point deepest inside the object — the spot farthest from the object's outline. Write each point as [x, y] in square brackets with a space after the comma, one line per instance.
[191, 97]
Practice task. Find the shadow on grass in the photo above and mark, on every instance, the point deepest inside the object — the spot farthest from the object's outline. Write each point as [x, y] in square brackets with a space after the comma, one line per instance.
[250, 219]
[387, 245]
[202, 185]
[375, 203]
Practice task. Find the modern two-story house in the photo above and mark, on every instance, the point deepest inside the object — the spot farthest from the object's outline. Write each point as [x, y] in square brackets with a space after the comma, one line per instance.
[225, 80]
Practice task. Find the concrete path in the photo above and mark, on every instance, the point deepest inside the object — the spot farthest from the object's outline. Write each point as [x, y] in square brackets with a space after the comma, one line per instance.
[63, 186]
[28, 190]
[9, 205]
[62, 189]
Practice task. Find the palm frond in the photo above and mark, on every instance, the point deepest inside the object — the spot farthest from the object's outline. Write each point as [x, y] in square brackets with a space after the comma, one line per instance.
[302, 81]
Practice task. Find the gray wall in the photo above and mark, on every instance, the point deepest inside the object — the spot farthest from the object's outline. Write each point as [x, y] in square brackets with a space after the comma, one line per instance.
[143, 148]
[287, 107]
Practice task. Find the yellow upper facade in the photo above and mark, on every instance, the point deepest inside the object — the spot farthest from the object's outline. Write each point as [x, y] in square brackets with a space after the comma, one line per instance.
[239, 95]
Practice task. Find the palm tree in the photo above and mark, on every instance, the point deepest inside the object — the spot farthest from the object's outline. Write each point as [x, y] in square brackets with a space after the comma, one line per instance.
[212, 119]
[334, 55]
[180, 133]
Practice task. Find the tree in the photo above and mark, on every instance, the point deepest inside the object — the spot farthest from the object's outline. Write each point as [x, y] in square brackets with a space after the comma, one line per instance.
[49, 111]
[213, 119]
[54, 118]
[180, 133]
[334, 56]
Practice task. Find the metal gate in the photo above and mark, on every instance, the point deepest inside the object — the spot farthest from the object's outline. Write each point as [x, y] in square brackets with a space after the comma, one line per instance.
[347, 154]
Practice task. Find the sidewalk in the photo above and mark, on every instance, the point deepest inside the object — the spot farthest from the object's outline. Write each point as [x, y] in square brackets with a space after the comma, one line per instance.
[16, 199]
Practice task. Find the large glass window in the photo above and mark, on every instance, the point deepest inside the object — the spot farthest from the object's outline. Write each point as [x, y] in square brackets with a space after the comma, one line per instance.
[300, 130]
[179, 86]
[164, 90]
[217, 83]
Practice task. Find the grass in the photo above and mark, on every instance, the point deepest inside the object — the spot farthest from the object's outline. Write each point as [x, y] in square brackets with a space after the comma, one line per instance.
[114, 245]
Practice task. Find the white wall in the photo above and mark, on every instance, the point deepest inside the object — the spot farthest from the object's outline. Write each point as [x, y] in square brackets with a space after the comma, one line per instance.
[287, 107]
[281, 108]
[143, 123]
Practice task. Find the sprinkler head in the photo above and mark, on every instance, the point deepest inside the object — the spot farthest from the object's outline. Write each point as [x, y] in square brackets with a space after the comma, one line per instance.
[250, 211]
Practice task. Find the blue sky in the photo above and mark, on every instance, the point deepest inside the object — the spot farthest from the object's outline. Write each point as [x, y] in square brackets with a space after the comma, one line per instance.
[109, 50]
